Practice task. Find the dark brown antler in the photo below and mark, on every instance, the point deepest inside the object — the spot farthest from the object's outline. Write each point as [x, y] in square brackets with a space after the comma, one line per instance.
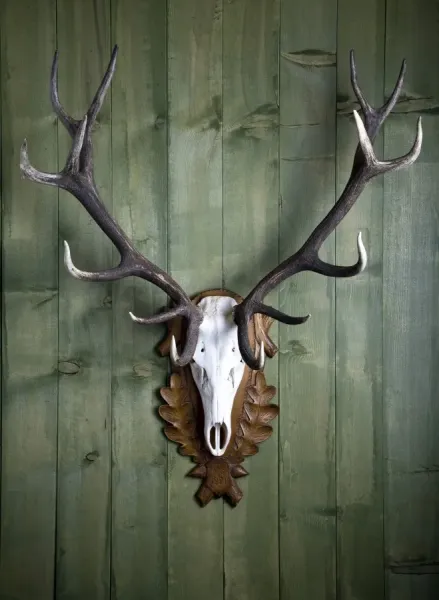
[77, 178]
[365, 167]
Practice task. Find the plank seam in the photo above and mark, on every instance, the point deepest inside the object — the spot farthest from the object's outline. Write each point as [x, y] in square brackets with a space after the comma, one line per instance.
[383, 411]
[167, 261]
[1, 276]
[335, 389]
[279, 216]
[223, 275]
[111, 371]
[55, 558]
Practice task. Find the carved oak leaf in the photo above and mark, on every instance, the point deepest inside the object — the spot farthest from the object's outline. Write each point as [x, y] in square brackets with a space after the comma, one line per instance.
[179, 413]
[258, 412]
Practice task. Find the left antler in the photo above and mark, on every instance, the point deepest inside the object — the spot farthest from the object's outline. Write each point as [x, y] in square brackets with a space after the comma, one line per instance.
[365, 167]
[77, 178]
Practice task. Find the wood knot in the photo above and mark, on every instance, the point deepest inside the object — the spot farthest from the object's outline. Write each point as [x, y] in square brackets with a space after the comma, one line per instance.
[69, 367]
[142, 370]
[160, 121]
[107, 302]
[311, 58]
[92, 456]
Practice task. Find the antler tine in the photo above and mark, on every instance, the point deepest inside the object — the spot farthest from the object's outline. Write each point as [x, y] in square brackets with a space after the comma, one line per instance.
[34, 174]
[365, 106]
[69, 122]
[365, 167]
[191, 342]
[77, 178]
[375, 166]
[375, 117]
[99, 98]
[178, 311]
[324, 268]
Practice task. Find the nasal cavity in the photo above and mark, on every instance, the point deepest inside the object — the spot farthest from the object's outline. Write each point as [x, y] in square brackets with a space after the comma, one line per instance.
[218, 439]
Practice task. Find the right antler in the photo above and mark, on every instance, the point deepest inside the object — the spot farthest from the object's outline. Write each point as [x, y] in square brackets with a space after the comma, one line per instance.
[77, 178]
[365, 167]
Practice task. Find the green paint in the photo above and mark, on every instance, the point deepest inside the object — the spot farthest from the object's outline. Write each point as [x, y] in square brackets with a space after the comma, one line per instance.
[218, 150]
[306, 380]
[139, 523]
[83, 534]
[411, 326]
[30, 302]
[359, 410]
[250, 197]
[195, 536]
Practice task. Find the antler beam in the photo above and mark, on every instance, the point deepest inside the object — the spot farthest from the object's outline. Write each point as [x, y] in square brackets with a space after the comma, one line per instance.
[365, 167]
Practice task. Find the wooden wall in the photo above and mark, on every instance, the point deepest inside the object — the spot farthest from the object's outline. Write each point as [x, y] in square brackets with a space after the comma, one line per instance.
[225, 138]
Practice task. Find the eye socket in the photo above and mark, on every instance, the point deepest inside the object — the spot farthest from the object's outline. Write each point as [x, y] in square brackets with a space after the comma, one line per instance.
[233, 349]
[202, 349]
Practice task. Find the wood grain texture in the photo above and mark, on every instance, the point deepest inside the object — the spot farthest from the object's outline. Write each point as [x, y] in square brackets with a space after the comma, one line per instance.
[30, 301]
[196, 87]
[84, 457]
[359, 410]
[411, 326]
[306, 356]
[251, 198]
[195, 557]
[139, 154]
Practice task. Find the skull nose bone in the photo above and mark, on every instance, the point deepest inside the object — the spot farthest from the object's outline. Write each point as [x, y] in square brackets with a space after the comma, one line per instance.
[218, 437]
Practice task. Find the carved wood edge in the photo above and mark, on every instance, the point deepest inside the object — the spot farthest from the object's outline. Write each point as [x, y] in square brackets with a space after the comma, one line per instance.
[252, 414]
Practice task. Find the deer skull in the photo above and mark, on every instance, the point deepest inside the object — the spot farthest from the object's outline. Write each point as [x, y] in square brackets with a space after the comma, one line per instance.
[217, 369]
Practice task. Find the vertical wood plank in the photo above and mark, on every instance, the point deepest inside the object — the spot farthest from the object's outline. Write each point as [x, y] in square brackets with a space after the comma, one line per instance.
[83, 540]
[195, 259]
[139, 152]
[30, 300]
[306, 362]
[409, 586]
[411, 326]
[359, 428]
[250, 198]
[2, 298]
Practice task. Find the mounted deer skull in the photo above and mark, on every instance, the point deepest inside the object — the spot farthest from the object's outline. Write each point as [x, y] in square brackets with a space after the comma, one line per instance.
[217, 345]
[217, 369]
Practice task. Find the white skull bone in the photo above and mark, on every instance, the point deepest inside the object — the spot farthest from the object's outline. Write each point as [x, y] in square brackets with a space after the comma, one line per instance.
[217, 369]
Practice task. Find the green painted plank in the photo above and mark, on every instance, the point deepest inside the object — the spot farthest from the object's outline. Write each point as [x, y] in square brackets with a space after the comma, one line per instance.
[359, 427]
[30, 300]
[306, 363]
[139, 152]
[2, 311]
[411, 291]
[250, 198]
[195, 259]
[408, 587]
[84, 460]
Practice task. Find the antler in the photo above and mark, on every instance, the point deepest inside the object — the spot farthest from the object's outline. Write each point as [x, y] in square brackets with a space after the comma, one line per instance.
[365, 167]
[77, 178]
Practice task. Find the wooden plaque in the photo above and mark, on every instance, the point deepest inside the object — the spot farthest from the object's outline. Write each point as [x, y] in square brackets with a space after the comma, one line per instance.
[251, 415]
